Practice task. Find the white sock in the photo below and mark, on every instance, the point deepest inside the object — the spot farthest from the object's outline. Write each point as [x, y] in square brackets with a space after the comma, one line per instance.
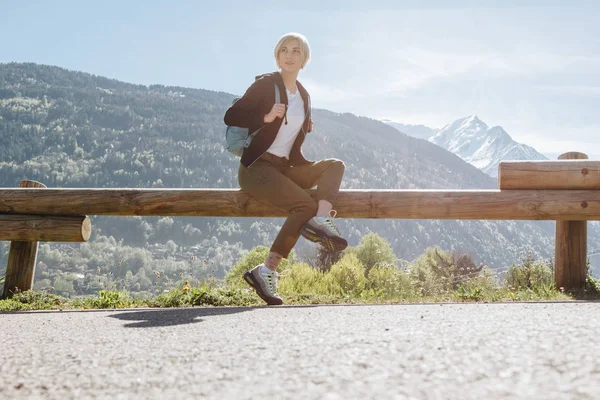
[265, 270]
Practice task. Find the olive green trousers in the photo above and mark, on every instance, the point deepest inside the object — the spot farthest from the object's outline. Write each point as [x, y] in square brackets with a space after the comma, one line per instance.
[271, 179]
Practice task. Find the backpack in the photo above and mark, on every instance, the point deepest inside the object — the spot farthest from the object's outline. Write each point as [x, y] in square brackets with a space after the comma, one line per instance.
[237, 138]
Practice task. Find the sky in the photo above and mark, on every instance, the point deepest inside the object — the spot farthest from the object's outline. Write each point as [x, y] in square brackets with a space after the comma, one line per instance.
[532, 67]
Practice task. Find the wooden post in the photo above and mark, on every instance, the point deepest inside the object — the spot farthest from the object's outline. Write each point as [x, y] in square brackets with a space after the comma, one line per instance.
[570, 248]
[21, 259]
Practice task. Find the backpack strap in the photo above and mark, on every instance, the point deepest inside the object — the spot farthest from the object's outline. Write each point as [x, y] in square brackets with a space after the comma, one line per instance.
[277, 100]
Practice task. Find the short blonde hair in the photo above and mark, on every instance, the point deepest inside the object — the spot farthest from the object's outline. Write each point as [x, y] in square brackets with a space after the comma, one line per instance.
[302, 41]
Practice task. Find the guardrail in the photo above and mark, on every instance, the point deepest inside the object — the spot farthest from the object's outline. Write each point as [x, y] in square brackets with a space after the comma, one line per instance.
[567, 191]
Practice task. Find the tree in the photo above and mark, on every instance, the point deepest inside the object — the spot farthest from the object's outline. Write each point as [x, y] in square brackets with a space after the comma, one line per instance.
[63, 287]
[171, 248]
[326, 258]
[374, 250]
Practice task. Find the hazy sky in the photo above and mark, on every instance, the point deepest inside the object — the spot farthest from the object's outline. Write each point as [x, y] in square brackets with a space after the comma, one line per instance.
[532, 67]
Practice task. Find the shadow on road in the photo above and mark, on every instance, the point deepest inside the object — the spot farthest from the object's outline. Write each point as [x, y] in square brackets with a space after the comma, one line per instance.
[170, 317]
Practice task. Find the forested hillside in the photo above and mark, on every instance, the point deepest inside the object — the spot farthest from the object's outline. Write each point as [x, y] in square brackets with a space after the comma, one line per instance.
[72, 129]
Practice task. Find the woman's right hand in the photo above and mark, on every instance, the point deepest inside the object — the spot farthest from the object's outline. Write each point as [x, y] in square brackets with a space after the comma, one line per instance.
[277, 111]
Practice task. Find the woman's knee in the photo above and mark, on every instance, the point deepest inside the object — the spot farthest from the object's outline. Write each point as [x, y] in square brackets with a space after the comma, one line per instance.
[337, 165]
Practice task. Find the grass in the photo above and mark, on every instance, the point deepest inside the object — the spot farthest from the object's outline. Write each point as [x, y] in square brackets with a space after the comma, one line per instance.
[224, 296]
[435, 277]
[221, 294]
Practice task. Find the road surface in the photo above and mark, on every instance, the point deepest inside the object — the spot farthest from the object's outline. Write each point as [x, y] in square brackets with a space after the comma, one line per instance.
[433, 351]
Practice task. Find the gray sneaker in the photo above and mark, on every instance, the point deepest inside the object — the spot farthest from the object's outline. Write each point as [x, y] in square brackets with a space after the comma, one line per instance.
[322, 230]
[264, 281]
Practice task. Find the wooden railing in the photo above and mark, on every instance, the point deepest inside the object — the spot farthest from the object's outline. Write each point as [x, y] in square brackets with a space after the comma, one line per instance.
[567, 191]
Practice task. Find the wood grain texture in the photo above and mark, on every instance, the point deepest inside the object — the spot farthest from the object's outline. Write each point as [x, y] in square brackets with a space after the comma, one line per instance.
[402, 204]
[549, 175]
[570, 254]
[573, 155]
[570, 248]
[42, 228]
[22, 256]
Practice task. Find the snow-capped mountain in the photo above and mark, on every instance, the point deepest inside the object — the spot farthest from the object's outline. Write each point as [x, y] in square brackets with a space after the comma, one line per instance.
[484, 147]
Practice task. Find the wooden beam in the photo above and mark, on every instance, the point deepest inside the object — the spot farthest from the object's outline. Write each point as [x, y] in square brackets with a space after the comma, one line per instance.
[570, 247]
[403, 204]
[22, 256]
[42, 228]
[562, 174]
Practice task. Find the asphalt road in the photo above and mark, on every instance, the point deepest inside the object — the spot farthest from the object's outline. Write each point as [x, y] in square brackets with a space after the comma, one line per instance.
[448, 351]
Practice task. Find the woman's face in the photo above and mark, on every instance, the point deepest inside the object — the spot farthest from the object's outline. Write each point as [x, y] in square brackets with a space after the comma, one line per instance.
[290, 56]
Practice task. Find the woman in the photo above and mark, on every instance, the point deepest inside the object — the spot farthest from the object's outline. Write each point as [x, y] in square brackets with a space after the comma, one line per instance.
[273, 169]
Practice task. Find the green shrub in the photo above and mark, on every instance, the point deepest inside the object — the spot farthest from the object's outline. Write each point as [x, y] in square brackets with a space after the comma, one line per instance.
[592, 286]
[536, 275]
[470, 291]
[424, 276]
[389, 281]
[302, 279]
[30, 300]
[373, 250]
[108, 299]
[206, 296]
[13, 305]
[348, 274]
[436, 272]
[478, 287]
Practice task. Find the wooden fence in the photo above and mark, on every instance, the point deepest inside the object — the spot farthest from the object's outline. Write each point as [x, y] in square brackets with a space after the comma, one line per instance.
[566, 190]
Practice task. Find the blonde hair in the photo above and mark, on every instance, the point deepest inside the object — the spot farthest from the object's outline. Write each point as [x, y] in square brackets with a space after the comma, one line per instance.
[302, 41]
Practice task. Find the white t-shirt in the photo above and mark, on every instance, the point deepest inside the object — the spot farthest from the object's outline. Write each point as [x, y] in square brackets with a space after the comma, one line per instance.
[286, 136]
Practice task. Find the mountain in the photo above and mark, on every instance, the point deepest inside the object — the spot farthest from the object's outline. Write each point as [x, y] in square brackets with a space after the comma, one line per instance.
[72, 129]
[484, 147]
[417, 131]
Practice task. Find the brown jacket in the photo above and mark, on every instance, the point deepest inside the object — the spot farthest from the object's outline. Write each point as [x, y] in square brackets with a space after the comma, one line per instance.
[251, 108]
